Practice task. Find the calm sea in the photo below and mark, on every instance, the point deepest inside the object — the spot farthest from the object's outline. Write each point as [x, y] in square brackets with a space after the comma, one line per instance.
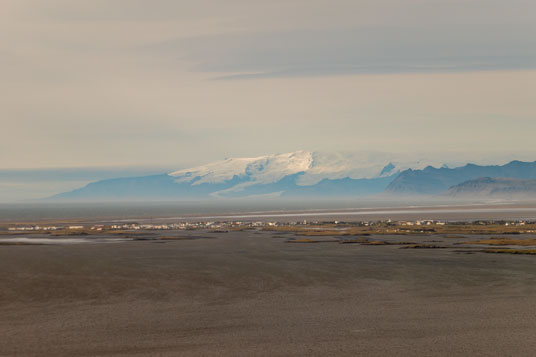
[276, 210]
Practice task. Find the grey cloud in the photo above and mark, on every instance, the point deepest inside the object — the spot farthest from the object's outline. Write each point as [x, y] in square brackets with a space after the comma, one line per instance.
[116, 10]
[308, 37]
[392, 49]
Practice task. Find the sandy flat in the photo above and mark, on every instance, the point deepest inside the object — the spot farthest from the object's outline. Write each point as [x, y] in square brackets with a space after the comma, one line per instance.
[248, 293]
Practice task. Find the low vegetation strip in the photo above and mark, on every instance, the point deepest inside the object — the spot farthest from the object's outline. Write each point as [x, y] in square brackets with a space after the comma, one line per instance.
[382, 228]
[423, 246]
[304, 240]
[504, 241]
[511, 251]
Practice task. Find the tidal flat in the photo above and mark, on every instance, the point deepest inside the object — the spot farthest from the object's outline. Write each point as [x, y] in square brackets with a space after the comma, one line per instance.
[251, 293]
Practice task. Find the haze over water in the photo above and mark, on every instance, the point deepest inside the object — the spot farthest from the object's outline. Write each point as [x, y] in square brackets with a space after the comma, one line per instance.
[278, 210]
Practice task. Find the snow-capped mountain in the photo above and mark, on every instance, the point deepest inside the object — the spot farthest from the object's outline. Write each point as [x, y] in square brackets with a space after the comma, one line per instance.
[300, 173]
[263, 169]
[314, 167]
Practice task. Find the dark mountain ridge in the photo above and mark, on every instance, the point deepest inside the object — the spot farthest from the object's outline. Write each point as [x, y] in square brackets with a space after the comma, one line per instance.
[432, 181]
[495, 187]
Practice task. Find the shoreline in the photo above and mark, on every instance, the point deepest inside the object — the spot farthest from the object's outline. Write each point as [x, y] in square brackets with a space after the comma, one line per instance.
[152, 213]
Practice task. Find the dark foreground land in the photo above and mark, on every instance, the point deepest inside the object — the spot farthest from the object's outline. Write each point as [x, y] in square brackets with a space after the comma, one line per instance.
[253, 293]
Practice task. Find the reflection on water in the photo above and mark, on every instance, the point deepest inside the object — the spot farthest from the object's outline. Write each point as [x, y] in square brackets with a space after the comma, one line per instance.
[70, 240]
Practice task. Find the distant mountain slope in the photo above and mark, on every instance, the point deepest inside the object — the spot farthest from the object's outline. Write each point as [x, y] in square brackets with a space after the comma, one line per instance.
[300, 173]
[164, 187]
[431, 180]
[145, 187]
[494, 187]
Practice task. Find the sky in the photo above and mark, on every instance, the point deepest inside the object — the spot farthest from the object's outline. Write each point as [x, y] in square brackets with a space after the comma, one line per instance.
[170, 83]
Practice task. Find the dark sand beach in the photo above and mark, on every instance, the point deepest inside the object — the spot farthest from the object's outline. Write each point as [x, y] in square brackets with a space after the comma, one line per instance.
[251, 293]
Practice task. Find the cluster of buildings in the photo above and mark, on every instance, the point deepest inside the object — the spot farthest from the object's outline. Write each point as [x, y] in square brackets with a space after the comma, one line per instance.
[190, 225]
[151, 226]
[43, 228]
[226, 225]
[426, 222]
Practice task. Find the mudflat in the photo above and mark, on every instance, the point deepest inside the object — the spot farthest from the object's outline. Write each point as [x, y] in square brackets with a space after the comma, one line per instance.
[252, 293]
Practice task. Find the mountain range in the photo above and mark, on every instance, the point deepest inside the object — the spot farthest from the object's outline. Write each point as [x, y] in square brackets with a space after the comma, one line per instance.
[301, 174]
[432, 181]
[494, 188]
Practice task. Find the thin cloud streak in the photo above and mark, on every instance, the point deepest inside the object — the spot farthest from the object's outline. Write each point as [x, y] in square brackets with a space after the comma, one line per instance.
[357, 51]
